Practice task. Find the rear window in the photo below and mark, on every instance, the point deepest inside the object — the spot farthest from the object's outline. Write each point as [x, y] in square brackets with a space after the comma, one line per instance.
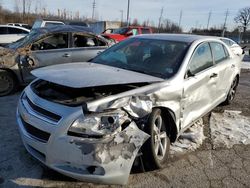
[145, 31]
[17, 31]
[218, 52]
[49, 24]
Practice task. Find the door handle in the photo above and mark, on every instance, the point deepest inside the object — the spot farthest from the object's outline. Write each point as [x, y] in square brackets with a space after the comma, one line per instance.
[66, 55]
[214, 75]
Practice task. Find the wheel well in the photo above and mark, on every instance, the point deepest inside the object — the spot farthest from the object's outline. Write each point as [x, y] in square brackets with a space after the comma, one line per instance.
[169, 117]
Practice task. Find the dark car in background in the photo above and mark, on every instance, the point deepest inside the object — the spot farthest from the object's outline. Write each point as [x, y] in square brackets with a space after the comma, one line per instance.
[43, 47]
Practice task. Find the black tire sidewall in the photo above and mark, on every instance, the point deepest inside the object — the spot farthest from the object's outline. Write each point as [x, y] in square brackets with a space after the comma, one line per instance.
[150, 159]
[228, 100]
[11, 87]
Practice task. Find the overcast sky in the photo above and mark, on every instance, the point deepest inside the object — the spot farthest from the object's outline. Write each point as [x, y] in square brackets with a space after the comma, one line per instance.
[194, 12]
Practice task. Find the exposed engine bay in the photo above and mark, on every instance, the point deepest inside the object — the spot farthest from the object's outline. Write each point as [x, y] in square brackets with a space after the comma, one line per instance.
[76, 96]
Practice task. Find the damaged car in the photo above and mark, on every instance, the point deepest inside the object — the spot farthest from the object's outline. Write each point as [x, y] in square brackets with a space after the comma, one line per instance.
[92, 121]
[43, 47]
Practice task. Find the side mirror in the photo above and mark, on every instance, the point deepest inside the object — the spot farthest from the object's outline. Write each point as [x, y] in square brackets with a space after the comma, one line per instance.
[189, 74]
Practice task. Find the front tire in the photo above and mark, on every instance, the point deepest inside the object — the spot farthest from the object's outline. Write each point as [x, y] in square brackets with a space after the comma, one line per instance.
[7, 83]
[156, 148]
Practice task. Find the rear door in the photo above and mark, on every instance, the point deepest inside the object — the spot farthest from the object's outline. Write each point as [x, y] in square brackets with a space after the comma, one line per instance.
[225, 68]
[85, 46]
[199, 91]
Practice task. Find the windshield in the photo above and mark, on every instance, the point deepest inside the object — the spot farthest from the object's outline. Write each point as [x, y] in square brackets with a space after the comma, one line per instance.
[121, 31]
[154, 57]
[28, 39]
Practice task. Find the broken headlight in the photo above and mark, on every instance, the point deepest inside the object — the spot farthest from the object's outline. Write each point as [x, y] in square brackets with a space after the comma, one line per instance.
[97, 125]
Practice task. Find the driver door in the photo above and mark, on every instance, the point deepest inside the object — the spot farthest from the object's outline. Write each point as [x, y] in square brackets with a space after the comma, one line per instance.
[199, 91]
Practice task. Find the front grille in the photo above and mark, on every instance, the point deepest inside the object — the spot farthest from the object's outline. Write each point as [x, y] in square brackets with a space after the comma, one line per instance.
[35, 132]
[39, 155]
[43, 112]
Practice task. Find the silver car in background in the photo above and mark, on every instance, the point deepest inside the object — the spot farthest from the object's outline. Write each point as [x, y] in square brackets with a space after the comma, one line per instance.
[43, 47]
[91, 121]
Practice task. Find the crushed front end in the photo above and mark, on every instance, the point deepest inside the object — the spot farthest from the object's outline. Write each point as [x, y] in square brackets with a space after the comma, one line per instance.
[98, 146]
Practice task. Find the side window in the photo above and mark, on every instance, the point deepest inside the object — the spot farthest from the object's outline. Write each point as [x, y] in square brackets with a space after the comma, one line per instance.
[80, 40]
[202, 59]
[145, 31]
[3, 30]
[54, 41]
[218, 52]
[100, 42]
[16, 31]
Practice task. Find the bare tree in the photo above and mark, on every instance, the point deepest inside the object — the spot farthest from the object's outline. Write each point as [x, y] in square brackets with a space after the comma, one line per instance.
[243, 17]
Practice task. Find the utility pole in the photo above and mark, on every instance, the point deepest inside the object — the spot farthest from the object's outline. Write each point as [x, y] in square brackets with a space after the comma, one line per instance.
[225, 23]
[159, 24]
[128, 12]
[121, 16]
[180, 18]
[93, 11]
[208, 20]
[24, 8]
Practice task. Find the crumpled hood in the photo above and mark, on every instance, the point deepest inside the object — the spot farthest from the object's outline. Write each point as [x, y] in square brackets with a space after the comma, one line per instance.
[79, 75]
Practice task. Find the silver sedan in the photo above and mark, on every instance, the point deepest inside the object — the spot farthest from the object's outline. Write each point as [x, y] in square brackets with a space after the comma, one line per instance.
[91, 121]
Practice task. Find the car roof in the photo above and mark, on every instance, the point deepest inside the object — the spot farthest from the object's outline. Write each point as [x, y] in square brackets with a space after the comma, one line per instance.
[18, 27]
[63, 28]
[189, 38]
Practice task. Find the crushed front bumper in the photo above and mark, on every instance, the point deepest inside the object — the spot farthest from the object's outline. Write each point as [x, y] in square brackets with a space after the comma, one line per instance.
[105, 160]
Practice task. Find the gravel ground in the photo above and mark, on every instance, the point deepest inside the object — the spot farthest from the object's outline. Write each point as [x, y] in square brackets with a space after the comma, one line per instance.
[205, 167]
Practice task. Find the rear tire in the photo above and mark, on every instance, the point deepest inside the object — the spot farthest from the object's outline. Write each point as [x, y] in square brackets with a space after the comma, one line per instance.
[156, 148]
[232, 92]
[7, 83]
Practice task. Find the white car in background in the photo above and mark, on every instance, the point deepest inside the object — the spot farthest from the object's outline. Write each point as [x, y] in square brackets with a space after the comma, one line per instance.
[9, 34]
[236, 49]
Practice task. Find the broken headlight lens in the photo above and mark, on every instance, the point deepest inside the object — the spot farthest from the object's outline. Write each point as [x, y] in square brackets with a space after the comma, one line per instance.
[100, 124]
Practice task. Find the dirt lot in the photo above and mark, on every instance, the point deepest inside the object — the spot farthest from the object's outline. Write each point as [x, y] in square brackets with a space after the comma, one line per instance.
[203, 168]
